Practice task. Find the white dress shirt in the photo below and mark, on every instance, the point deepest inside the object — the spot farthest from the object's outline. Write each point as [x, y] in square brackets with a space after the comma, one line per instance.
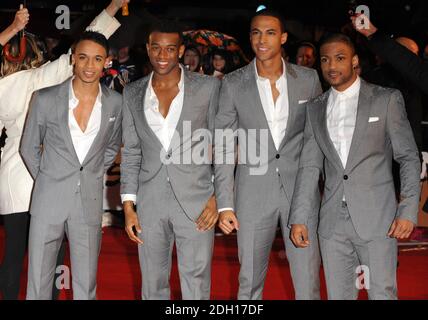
[276, 112]
[341, 118]
[164, 128]
[82, 141]
[342, 110]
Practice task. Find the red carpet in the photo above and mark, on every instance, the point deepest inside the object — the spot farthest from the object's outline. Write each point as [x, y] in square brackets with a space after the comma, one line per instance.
[119, 273]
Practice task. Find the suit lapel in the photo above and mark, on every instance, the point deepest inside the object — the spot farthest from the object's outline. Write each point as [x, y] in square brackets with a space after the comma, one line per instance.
[363, 114]
[292, 88]
[178, 139]
[255, 100]
[62, 100]
[138, 102]
[104, 126]
[321, 126]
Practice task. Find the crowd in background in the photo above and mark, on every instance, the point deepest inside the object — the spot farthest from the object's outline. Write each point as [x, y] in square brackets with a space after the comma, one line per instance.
[132, 63]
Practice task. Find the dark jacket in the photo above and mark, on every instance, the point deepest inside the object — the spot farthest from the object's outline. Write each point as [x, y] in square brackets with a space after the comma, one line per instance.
[408, 64]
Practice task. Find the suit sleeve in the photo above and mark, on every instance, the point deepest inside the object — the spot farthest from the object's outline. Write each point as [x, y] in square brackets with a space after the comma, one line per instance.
[33, 136]
[306, 196]
[408, 64]
[114, 143]
[406, 154]
[226, 122]
[212, 111]
[131, 151]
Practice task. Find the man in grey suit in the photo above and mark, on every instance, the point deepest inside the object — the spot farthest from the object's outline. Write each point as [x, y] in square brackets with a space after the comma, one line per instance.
[263, 104]
[71, 137]
[167, 125]
[352, 134]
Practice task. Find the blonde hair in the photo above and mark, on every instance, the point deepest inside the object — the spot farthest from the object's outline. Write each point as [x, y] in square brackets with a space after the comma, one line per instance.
[33, 57]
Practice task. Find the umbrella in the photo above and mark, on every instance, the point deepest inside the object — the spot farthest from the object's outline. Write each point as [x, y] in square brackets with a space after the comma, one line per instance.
[207, 40]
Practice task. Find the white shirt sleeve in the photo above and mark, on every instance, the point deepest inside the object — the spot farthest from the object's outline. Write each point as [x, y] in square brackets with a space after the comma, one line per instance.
[105, 24]
[129, 197]
[225, 209]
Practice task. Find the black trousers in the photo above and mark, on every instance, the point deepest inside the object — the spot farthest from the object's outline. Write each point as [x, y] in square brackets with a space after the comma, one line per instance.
[16, 227]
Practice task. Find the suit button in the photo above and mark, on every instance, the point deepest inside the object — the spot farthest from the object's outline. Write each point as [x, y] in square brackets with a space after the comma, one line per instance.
[278, 156]
[345, 177]
[81, 168]
[168, 156]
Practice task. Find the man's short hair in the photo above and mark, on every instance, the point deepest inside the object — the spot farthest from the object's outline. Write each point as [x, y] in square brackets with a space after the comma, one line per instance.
[166, 26]
[94, 37]
[338, 37]
[271, 13]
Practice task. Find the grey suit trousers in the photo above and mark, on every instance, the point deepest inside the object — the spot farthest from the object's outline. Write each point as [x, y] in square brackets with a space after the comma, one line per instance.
[255, 239]
[345, 253]
[44, 242]
[194, 249]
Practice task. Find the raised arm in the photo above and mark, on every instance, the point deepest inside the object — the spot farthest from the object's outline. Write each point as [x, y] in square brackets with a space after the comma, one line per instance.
[404, 61]
[21, 19]
[61, 69]
[114, 6]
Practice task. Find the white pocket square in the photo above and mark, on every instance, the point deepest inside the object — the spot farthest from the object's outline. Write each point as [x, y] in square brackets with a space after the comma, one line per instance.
[302, 101]
[112, 119]
[373, 119]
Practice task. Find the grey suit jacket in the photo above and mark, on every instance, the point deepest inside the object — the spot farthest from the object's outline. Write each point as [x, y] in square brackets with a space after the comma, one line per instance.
[240, 109]
[367, 181]
[55, 167]
[144, 159]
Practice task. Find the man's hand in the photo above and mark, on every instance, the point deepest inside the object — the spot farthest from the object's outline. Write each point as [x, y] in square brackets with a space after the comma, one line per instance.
[21, 19]
[209, 216]
[401, 229]
[131, 222]
[228, 222]
[299, 235]
[367, 28]
[115, 5]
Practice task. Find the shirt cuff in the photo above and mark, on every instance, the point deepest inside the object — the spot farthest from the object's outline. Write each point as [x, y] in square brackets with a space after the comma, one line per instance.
[225, 209]
[104, 24]
[129, 197]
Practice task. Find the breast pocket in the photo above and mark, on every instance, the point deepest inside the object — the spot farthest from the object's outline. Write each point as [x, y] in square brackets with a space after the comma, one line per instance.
[110, 128]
